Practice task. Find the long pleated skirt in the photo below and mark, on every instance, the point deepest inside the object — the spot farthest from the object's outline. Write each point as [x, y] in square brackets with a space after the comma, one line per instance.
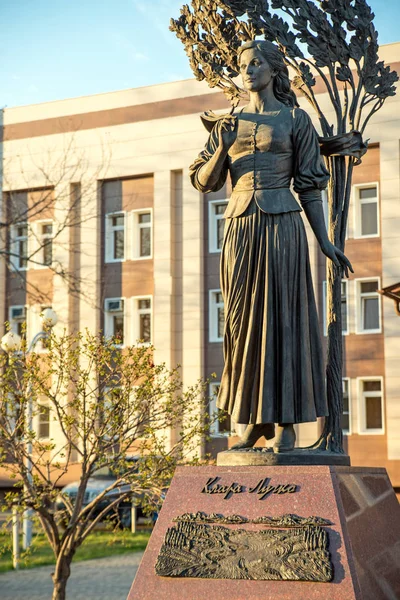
[273, 371]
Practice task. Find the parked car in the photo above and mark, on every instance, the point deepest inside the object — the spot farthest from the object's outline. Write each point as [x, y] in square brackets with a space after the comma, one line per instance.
[101, 479]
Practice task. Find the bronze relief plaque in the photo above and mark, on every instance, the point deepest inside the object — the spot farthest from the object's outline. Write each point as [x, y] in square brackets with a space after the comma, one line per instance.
[198, 549]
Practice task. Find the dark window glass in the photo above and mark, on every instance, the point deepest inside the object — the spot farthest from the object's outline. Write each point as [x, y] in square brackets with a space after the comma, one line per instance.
[119, 238]
[345, 422]
[345, 419]
[368, 287]
[372, 386]
[47, 229]
[22, 254]
[373, 410]
[371, 313]
[118, 324]
[47, 252]
[145, 327]
[145, 303]
[144, 218]
[118, 221]
[368, 193]
[220, 209]
[344, 307]
[44, 421]
[369, 218]
[145, 241]
[224, 422]
[221, 322]
[220, 233]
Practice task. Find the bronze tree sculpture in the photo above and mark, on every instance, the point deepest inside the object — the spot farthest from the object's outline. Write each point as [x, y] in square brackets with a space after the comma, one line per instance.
[342, 47]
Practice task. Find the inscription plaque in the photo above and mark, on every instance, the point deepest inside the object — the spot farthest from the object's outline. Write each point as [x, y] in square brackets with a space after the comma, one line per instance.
[197, 549]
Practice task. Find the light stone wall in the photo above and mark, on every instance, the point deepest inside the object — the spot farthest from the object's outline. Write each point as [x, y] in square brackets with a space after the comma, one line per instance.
[390, 233]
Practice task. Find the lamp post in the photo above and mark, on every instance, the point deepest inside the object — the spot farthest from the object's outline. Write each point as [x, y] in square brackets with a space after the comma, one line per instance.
[11, 343]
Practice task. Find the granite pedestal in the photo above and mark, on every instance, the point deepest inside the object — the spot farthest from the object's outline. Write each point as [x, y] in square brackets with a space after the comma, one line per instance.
[358, 503]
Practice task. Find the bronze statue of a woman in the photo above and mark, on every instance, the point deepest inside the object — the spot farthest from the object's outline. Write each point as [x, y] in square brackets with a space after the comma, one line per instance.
[273, 370]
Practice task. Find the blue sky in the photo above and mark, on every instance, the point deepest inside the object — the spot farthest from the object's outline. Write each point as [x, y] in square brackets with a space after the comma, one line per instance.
[55, 49]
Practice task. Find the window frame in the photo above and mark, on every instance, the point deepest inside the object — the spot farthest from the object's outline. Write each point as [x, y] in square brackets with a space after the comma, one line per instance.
[14, 321]
[213, 219]
[359, 311]
[108, 320]
[324, 307]
[349, 430]
[136, 312]
[45, 404]
[213, 316]
[14, 242]
[357, 209]
[109, 238]
[362, 413]
[135, 234]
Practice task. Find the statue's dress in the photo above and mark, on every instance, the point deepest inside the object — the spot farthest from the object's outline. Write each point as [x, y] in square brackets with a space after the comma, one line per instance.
[273, 370]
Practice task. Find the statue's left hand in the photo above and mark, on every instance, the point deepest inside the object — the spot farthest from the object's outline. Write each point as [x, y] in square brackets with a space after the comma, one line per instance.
[338, 257]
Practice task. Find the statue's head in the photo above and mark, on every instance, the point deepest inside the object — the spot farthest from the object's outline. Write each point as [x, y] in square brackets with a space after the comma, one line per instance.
[261, 63]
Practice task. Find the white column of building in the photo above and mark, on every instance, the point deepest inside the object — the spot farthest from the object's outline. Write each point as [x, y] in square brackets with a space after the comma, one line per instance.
[61, 254]
[60, 301]
[162, 247]
[390, 235]
[192, 283]
[90, 256]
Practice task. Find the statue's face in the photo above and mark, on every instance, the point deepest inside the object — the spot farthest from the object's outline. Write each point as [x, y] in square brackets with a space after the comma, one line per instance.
[255, 70]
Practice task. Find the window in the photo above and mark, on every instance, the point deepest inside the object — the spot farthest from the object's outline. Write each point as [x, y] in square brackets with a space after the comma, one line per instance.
[46, 243]
[216, 221]
[114, 319]
[17, 318]
[344, 307]
[43, 430]
[366, 212]
[368, 306]
[217, 316]
[143, 320]
[371, 410]
[142, 227]
[19, 246]
[345, 421]
[222, 424]
[115, 237]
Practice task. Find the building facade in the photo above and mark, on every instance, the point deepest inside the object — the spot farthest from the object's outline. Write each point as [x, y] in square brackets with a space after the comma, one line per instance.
[118, 240]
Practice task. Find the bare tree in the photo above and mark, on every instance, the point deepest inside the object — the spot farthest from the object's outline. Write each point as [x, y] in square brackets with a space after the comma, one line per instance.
[336, 42]
[51, 190]
[105, 403]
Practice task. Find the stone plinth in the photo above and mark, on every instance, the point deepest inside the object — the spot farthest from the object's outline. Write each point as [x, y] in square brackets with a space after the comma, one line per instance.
[359, 504]
[267, 457]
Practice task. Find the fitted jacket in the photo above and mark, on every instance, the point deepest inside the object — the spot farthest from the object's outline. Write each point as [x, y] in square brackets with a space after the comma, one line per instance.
[271, 153]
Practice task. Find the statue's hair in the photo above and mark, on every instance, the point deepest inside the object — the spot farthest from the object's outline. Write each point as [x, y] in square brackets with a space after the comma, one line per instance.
[274, 57]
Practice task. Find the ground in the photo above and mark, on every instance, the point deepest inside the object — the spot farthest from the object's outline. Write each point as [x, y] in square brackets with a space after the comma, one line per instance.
[100, 579]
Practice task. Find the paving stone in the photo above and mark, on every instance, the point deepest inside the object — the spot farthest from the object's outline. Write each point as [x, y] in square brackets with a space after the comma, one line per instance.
[100, 579]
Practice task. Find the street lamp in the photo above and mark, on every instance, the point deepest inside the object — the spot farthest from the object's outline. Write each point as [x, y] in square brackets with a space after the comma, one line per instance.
[11, 343]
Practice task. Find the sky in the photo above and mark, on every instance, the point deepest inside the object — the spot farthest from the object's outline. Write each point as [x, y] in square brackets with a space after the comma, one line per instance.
[56, 49]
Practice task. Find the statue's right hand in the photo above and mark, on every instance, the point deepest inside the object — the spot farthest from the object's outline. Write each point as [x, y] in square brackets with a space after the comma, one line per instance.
[227, 131]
